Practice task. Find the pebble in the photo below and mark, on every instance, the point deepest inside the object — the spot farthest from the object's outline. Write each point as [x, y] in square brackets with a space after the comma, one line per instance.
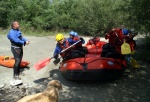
[27, 85]
[130, 76]
[115, 84]
[55, 75]
[127, 71]
[2, 86]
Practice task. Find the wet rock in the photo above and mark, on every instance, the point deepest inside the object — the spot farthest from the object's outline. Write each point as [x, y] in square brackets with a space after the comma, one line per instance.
[41, 88]
[27, 85]
[30, 91]
[115, 84]
[130, 76]
[143, 73]
[55, 75]
[127, 71]
[2, 85]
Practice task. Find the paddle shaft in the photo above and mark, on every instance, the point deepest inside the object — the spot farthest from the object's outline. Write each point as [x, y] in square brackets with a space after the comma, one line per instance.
[43, 63]
[67, 48]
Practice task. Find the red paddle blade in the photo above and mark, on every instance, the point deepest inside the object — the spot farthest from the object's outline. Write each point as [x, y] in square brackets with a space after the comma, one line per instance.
[41, 64]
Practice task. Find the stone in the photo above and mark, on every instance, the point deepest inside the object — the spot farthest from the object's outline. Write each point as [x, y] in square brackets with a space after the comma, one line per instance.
[2, 85]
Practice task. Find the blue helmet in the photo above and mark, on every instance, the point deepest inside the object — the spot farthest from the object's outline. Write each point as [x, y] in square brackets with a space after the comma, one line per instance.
[72, 33]
[125, 31]
[75, 34]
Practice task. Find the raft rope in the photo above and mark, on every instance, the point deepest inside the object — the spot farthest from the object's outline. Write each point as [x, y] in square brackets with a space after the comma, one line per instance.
[94, 60]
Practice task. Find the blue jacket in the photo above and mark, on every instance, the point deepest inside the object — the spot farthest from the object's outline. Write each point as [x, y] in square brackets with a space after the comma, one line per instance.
[15, 36]
[59, 47]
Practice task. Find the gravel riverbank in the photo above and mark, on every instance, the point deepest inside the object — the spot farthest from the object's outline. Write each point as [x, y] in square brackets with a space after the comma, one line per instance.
[133, 86]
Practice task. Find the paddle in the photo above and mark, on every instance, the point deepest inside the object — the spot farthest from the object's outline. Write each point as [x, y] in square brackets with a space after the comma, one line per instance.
[134, 63]
[125, 48]
[41, 64]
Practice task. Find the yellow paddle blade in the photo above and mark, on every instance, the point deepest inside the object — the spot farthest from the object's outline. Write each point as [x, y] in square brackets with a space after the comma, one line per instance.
[125, 48]
[134, 63]
[132, 52]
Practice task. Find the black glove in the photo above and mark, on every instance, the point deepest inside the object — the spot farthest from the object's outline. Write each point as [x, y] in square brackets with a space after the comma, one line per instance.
[56, 61]
[56, 56]
[82, 40]
[24, 43]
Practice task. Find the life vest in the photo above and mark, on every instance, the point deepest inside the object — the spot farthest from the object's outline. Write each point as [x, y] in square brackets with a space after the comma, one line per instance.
[115, 37]
[115, 34]
[64, 46]
[94, 42]
[77, 38]
[90, 42]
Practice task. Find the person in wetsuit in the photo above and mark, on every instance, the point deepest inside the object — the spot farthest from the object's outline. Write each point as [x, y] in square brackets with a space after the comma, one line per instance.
[17, 42]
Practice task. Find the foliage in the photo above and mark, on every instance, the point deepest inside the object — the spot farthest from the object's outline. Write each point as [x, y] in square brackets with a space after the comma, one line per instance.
[89, 17]
[141, 14]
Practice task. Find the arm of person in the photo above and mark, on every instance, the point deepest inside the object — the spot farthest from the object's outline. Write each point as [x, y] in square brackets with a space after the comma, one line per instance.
[15, 37]
[25, 40]
[71, 41]
[56, 55]
[56, 52]
[82, 40]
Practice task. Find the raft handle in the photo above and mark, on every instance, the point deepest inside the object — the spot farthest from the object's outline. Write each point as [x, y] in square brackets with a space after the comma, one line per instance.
[6, 58]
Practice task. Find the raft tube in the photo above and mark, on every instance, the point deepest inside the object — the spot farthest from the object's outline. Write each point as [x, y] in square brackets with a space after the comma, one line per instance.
[92, 67]
[9, 61]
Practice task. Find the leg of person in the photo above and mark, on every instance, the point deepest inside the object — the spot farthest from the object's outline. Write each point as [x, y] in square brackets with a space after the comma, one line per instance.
[128, 58]
[17, 57]
[19, 60]
[17, 67]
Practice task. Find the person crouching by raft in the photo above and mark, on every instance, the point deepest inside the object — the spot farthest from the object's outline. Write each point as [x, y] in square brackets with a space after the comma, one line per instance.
[17, 42]
[63, 43]
[74, 38]
[95, 41]
[116, 37]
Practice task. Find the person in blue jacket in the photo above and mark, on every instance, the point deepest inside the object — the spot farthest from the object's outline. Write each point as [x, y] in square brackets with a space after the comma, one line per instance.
[63, 43]
[17, 42]
[74, 38]
[71, 38]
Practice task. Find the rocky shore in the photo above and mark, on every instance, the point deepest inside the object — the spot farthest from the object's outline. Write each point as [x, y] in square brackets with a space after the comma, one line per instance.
[133, 86]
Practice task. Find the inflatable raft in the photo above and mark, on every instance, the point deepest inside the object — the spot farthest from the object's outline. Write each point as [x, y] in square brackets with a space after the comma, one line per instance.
[92, 67]
[102, 62]
[8, 61]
